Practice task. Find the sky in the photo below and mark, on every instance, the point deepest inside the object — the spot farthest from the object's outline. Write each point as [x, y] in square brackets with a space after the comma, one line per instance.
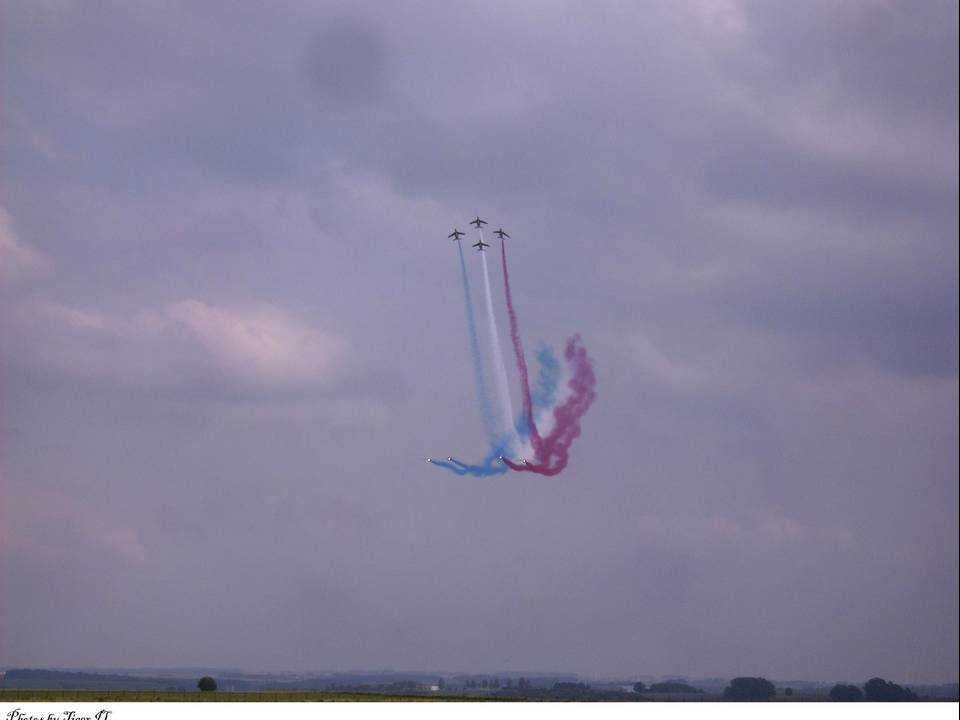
[231, 329]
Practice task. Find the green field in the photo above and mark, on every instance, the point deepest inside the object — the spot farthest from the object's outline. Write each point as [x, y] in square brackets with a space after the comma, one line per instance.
[34, 695]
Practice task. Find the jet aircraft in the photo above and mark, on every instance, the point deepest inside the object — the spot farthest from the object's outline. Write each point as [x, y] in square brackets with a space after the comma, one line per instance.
[501, 233]
[478, 222]
[456, 234]
[480, 245]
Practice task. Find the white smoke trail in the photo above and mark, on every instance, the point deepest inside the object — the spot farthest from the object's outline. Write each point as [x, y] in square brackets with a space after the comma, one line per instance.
[500, 368]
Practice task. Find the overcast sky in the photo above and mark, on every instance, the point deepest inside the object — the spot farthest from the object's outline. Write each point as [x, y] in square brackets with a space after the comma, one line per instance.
[231, 330]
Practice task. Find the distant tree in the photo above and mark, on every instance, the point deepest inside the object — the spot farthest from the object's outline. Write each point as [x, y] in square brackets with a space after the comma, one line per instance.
[749, 688]
[441, 683]
[571, 690]
[639, 687]
[788, 692]
[207, 684]
[509, 683]
[679, 688]
[880, 690]
[484, 683]
[523, 684]
[495, 683]
[845, 693]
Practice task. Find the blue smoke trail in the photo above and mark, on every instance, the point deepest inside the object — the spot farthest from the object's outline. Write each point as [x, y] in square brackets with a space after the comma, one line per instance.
[548, 378]
[486, 412]
[491, 465]
[544, 393]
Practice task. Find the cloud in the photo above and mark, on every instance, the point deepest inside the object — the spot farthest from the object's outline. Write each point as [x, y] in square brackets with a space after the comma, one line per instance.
[53, 526]
[760, 526]
[17, 260]
[346, 63]
[251, 348]
[747, 208]
[653, 362]
[260, 344]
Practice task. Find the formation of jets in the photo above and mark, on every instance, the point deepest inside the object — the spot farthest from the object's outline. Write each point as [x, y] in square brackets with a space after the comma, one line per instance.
[480, 245]
[500, 458]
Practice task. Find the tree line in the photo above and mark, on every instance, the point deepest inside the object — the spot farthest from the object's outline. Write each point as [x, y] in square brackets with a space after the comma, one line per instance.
[739, 689]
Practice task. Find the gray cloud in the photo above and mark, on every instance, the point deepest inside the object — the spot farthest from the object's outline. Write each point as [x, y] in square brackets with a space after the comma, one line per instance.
[748, 210]
[346, 63]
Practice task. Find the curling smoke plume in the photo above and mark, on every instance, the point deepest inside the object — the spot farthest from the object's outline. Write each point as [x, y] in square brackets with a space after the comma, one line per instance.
[550, 453]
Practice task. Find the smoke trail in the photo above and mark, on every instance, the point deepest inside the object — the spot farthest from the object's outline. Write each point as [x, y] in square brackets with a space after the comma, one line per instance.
[500, 368]
[550, 451]
[491, 465]
[544, 394]
[548, 377]
[527, 420]
[553, 453]
[482, 395]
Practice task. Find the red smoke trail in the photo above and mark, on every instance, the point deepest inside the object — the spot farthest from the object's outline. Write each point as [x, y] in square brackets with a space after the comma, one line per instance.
[518, 353]
[553, 451]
